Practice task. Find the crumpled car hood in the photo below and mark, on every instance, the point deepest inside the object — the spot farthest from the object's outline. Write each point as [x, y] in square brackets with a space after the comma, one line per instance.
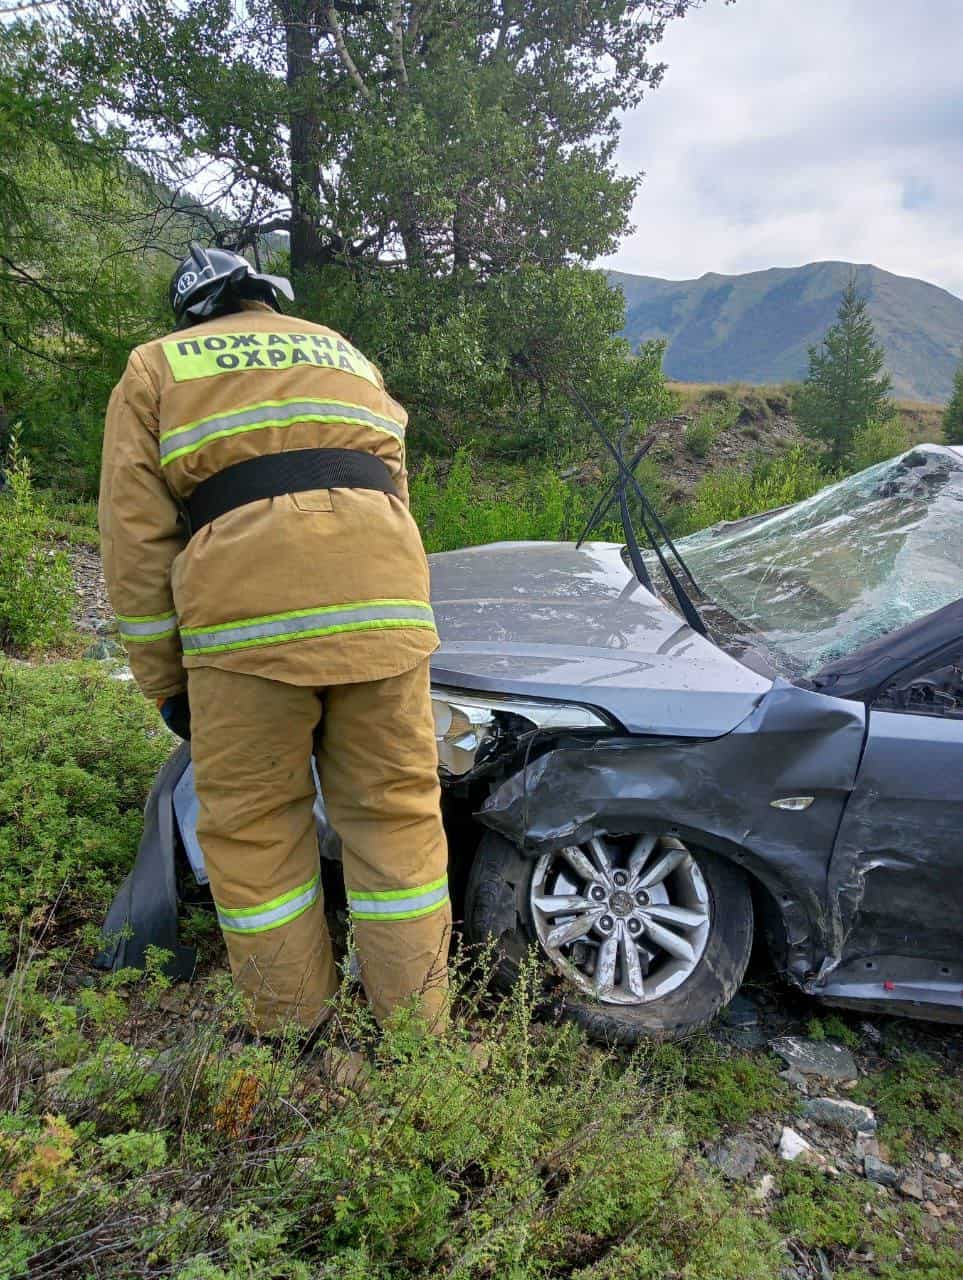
[549, 620]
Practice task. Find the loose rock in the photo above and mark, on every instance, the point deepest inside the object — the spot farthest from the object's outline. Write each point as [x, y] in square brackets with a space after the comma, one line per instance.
[764, 1187]
[866, 1145]
[735, 1158]
[911, 1184]
[103, 649]
[841, 1114]
[795, 1078]
[816, 1058]
[884, 1175]
[793, 1146]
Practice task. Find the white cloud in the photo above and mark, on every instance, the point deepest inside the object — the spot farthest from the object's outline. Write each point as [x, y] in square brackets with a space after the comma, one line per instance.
[792, 131]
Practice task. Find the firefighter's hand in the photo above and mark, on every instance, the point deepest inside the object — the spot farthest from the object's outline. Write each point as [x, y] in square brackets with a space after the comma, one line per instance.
[176, 711]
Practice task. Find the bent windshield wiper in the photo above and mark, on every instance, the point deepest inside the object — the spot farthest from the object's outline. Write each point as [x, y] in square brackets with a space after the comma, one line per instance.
[655, 530]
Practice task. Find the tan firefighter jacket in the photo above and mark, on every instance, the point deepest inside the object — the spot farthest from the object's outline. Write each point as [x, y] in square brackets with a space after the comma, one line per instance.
[317, 588]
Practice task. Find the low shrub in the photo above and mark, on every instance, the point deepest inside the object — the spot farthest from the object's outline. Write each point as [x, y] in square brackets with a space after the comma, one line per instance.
[730, 494]
[701, 434]
[878, 442]
[36, 586]
[526, 1155]
[78, 752]
[457, 512]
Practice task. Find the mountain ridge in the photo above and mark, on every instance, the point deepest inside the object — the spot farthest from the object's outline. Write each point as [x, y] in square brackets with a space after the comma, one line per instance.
[757, 326]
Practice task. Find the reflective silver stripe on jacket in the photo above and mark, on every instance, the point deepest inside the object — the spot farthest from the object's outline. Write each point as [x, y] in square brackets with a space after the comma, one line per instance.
[153, 627]
[271, 414]
[272, 914]
[303, 623]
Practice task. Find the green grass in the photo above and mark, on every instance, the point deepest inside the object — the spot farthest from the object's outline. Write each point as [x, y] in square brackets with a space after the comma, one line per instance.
[918, 1104]
[701, 434]
[863, 1233]
[716, 1089]
[71, 520]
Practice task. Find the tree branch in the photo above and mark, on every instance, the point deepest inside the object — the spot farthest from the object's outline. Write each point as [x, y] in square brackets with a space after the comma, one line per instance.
[334, 26]
[398, 42]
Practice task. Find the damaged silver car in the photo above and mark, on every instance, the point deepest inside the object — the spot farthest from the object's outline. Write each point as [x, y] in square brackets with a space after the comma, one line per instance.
[641, 801]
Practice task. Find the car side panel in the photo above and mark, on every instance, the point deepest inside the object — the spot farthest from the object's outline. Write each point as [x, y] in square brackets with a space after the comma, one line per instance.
[897, 868]
[718, 793]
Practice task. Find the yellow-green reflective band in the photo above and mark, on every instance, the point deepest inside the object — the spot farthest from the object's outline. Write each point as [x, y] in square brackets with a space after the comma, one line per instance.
[214, 353]
[272, 413]
[399, 904]
[146, 627]
[270, 915]
[301, 624]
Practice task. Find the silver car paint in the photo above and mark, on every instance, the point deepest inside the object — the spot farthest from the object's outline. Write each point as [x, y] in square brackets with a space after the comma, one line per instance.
[552, 620]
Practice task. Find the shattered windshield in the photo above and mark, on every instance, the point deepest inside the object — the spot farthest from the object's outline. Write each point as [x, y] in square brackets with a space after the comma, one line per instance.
[862, 558]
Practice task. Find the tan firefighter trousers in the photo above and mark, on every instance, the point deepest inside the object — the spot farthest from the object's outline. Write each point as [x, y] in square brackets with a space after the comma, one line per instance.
[251, 744]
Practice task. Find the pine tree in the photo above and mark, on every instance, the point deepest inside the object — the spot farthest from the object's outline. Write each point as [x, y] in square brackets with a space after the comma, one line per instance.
[847, 385]
[953, 415]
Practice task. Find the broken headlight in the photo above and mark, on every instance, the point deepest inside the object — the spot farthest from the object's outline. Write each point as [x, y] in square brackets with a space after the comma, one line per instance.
[470, 727]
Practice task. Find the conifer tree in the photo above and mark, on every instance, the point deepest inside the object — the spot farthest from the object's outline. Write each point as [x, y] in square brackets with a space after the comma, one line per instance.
[847, 385]
[953, 415]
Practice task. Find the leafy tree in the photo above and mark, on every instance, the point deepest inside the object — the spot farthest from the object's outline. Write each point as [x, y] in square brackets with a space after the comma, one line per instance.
[79, 274]
[953, 415]
[847, 386]
[436, 133]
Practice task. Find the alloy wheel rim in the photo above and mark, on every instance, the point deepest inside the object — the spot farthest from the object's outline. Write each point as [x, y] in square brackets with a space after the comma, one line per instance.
[626, 922]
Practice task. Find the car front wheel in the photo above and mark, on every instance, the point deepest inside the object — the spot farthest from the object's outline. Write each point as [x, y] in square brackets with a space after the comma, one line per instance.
[644, 935]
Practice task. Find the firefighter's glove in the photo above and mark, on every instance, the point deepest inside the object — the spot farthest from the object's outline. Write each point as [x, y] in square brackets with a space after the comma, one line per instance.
[176, 711]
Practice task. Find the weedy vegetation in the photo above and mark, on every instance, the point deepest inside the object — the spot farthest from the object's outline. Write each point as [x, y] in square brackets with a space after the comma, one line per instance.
[525, 1154]
[78, 751]
[35, 580]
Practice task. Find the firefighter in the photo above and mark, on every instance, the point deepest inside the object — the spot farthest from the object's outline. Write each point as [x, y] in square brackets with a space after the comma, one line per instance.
[272, 590]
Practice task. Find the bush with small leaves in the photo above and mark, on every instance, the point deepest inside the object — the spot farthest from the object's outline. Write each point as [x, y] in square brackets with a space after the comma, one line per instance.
[36, 587]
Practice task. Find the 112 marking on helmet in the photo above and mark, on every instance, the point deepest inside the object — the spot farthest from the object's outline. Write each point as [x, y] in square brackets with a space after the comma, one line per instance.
[216, 353]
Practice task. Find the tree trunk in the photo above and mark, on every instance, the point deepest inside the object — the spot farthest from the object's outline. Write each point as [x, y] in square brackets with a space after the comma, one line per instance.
[307, 249]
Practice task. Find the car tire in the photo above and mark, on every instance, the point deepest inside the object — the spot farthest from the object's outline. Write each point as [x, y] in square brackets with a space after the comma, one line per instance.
[498, 914]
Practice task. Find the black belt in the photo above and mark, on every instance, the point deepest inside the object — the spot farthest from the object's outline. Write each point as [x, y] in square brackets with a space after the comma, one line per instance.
[274, 474]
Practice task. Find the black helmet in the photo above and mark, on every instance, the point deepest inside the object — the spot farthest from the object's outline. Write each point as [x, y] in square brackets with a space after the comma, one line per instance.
[208, 281]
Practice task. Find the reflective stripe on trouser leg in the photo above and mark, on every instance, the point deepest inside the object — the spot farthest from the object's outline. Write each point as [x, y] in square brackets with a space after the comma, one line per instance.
[378, 766]
[251, 745]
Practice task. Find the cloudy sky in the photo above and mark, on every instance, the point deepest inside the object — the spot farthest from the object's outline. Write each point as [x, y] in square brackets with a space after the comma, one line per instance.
[790, 131]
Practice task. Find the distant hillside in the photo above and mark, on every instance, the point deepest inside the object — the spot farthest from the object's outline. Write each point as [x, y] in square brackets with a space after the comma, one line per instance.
[757, 327]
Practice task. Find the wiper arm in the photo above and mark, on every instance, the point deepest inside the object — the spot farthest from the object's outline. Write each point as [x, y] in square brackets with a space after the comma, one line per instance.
[611, 494]
[627, 477]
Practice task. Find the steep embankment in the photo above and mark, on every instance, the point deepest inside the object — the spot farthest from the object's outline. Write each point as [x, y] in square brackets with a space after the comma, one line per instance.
[757, 327]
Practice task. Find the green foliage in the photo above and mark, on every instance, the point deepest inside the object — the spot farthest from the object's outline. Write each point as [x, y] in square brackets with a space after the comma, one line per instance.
[445, 175]
[843, 1217]
[832, 1028]
[915, 1101]
[442, 137]
[525, 1155]
[729, 494]
[953, 415]
[878, 442]
[78, 753]
[847, 386]
[486, 364]
[36, 586]
[71, 520]
[700, 435]
[455, 512]
[713, 1089]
